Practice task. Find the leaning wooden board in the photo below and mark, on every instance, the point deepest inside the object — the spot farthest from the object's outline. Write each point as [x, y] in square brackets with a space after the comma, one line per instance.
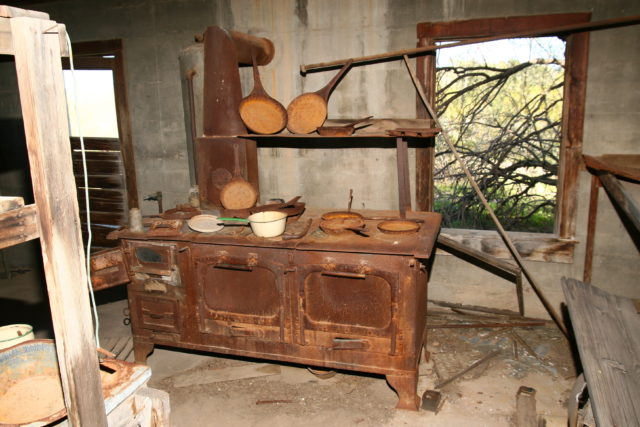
[606, 331]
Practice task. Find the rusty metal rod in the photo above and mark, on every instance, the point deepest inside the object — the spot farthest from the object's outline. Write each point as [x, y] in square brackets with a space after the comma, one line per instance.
[192, 116]
[526, 346]
[485, 325]
[398, 54]
[478, 308]
[467, 369]
[505, 237]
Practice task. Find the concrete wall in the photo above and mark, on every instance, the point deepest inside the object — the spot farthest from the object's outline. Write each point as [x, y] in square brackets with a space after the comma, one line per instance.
[317, 30]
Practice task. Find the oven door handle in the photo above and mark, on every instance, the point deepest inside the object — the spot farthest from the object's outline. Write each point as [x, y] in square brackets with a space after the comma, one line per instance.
[240, 267]
[344, 274]
[349, 344]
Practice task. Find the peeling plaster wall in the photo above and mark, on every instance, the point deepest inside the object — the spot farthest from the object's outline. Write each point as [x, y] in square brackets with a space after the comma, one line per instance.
[306, 31]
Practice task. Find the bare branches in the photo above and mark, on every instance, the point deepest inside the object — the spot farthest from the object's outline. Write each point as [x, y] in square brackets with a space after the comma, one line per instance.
[505, 121]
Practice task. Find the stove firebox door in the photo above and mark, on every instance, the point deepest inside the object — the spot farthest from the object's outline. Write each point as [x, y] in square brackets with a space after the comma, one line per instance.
[241, 295]
[348, 307]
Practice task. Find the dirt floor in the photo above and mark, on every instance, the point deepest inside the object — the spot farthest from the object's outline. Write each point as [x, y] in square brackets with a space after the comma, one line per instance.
[485, 396]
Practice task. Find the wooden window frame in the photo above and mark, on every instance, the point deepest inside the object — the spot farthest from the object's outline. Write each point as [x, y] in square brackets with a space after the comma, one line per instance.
[557, 246]
[90, 56]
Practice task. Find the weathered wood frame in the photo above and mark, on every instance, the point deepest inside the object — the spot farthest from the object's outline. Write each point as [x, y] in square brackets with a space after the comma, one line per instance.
[36, 43]
[557, 247]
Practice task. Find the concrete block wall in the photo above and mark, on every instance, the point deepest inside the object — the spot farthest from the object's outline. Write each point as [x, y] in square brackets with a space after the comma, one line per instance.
[154, 32]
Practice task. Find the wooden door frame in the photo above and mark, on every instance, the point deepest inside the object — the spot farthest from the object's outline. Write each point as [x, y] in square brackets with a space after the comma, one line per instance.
[577, 55]
[91, 56]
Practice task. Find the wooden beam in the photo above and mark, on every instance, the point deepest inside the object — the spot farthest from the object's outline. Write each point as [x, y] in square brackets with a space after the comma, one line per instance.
[575, 93]
[621, 198]
[591, 228]
[6, 42]
[623, 165]
[425, 154]
[42, 96]
[18, 225]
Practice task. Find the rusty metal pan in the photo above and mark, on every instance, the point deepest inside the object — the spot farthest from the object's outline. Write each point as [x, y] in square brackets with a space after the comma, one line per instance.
[399, 226]
[341, 215]
[342, 130]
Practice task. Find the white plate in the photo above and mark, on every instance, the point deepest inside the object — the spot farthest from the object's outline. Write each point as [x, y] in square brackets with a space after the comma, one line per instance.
[205, 223]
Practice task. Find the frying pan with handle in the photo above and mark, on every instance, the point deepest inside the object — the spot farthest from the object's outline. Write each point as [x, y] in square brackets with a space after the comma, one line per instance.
[308, 111]
[261, 113]
[238, 193]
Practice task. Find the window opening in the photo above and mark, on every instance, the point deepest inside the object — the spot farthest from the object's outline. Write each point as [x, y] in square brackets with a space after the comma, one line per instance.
[97, 105]
[501, 103]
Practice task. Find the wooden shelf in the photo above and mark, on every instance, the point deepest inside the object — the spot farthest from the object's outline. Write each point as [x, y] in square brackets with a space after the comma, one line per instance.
[378, 128]
[623, 165]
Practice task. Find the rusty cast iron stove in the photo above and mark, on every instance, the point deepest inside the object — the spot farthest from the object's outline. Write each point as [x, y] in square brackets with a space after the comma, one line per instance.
[352, 301]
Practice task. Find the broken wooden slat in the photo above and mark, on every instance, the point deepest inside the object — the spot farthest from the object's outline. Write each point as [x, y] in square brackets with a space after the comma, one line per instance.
[226, 374]
[8, 203]
[18, 226]
[606, 330]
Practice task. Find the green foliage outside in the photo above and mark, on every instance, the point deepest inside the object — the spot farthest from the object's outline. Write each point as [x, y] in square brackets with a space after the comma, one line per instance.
[505, 119]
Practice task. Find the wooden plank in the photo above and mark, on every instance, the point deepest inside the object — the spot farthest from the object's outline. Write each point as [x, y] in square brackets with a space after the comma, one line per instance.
[96, 144]
[115, 218]
[102, 181]
[532, 246]
[8, 203]
[484, 258]
[124, 126]
[606, 331]
[114, 195]
[14, 12]
[621, 198]
[425, 154]
[591, 228]
[93, 156]
[101, 205]
[42, 96]
[99, 167]
[18, 226]
[492, 26]
[226, 374]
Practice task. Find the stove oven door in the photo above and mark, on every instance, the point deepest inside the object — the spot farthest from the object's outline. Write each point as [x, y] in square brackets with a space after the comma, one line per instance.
[347, 302]
[241, 291]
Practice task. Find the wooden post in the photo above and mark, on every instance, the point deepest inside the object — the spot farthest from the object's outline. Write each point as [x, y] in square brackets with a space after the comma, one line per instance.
[591, 228]
[425, 154]
[39, 69]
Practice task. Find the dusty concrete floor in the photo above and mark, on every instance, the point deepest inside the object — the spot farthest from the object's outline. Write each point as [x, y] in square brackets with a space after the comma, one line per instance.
[483, 397]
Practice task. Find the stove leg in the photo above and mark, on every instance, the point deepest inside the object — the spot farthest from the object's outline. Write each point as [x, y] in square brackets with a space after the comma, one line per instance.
[141, 349]
[406, 386]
